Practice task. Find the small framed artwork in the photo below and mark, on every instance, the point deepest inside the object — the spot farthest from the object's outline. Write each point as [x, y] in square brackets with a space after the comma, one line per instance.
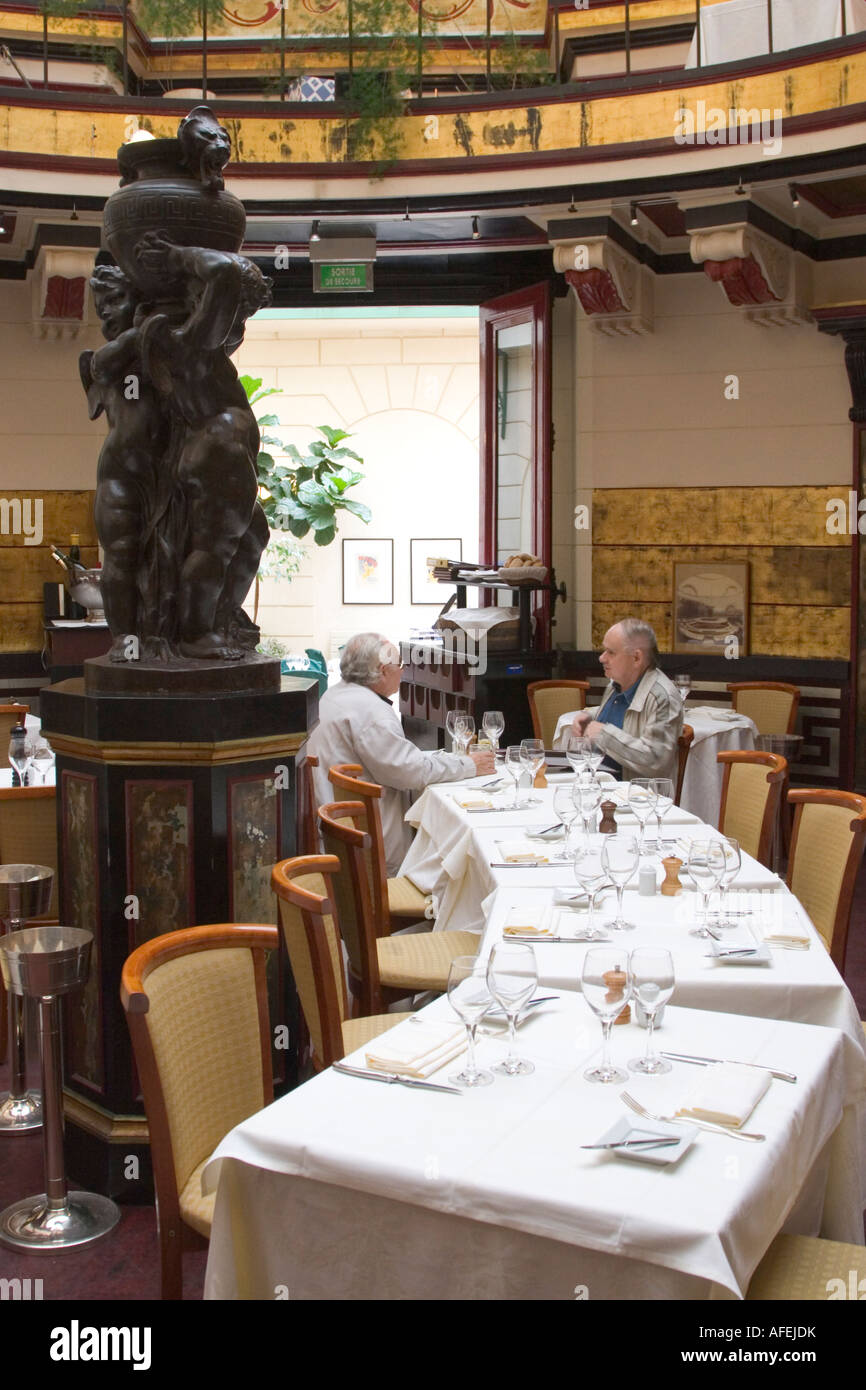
[425, 589]
[368, 571]
[711, 608]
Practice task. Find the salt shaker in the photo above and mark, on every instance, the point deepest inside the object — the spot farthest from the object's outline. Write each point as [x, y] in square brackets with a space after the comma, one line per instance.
[646, 881]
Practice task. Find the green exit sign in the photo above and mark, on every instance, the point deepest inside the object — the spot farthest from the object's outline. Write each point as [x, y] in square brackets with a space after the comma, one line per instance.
[345, 276]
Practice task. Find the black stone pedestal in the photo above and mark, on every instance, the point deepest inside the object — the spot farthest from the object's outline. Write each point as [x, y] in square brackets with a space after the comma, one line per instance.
[172, 810]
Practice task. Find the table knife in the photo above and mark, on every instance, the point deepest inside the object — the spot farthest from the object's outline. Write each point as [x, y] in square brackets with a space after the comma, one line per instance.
[708, 1061]
[636, 1144]
[391, 1078]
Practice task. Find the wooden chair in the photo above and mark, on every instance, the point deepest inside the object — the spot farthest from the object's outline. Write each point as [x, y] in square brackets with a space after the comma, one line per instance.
[804, 1268]
[306, 889]
[308, 828]
[382, 969]
[396, 901]
[771, 704]
[749, 809]
[548, 700]
[197, 1009]
[684, 743]
[826, 850]
[9, 716]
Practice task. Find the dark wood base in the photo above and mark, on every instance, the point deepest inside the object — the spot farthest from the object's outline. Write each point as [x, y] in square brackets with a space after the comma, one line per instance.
[255, 673]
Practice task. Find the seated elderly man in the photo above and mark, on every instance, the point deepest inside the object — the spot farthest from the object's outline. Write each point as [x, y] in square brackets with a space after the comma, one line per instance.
[640, 717]
[358, 724]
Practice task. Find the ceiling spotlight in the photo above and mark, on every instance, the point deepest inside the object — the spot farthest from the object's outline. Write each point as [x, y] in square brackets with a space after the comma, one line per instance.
[633, 214]
[74, 215]
[407, 218]
[2, 223]
[314, 234]
[572, 207]
[740, 189]
[795, 195]
[475, 232]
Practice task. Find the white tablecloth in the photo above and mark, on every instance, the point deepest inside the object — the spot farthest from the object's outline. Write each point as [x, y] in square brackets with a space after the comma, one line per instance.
[702, 784]
[733, 29]
[351, 1189]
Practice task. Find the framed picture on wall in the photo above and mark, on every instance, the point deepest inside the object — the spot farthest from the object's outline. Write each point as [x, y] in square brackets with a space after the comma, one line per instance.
[368, 571]
[711, 608]
[424, 587]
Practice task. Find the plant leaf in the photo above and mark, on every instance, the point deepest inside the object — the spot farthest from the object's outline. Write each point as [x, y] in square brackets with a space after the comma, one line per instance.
[357, 509]
[324, 537]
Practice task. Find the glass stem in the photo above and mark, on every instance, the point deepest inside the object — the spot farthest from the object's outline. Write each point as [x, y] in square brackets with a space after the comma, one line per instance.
[590, 926]
[470, 1047]
[706, 898]
[606, 1025]
[620, 889]
[512, 1038]
[650, 1059]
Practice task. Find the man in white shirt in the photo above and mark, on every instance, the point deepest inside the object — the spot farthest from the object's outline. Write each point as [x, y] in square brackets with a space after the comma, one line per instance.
[358, 724]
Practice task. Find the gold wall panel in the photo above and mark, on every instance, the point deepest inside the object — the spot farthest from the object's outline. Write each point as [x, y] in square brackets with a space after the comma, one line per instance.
[717, 515]
[785, 630]
[777, 575]
[25, 568]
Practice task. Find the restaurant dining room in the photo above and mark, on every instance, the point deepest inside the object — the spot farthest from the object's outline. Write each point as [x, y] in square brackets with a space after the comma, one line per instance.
[509, 950]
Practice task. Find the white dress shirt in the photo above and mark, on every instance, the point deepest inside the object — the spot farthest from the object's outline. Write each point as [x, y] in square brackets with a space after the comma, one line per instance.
[358, 726]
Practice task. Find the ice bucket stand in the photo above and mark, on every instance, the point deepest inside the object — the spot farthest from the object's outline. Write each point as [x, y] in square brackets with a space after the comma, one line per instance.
[25, 891]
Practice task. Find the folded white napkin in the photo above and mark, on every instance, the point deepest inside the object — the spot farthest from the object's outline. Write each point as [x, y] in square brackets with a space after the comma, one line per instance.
[473, 801]
[515, 851]
[532, 921]
[791, 933]
[416, 1049]
[726, 1093]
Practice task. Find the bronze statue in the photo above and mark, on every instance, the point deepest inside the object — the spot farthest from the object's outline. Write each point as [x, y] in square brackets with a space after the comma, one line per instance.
[177, 506]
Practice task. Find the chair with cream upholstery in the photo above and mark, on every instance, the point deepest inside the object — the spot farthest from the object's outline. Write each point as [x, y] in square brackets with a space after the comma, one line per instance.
[10, 715]
[382, 969]
[805, 1268]
[749, 809]
[396, 901]
[771, 704]
[307, 891]
[548, 700]
[308, 827]
[826, 850]
[684, 743]
[197, 1009]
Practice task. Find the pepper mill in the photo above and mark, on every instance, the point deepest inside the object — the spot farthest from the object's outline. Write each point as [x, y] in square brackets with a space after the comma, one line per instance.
[672, 885]
[608, 823]
[615, 981]
[540, 779]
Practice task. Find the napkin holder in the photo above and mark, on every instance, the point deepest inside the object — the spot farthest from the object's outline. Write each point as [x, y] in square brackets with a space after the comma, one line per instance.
[671, 885]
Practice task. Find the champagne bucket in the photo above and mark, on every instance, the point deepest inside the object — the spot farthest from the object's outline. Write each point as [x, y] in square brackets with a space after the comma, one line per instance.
[41, 961]
[25, 890]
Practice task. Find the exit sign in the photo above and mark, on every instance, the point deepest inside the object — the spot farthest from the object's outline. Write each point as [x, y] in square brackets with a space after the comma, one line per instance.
[343, 277]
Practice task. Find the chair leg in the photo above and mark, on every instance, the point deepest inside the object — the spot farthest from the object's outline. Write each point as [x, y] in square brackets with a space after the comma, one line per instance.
[171, 1258]
[4, 1022]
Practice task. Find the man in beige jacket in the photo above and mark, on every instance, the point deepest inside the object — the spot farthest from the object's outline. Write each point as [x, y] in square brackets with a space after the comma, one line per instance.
[640, 718]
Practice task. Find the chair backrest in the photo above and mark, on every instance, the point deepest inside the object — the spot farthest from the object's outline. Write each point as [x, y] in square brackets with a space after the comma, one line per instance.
[341, 825]
[345, 780]
[28, 829]
[826, 849]
[9, 715]
[684, 743]
[308, 829]
[197, 1008]
[749, 808]
[304, 889]
[771, 704]
[550, 699]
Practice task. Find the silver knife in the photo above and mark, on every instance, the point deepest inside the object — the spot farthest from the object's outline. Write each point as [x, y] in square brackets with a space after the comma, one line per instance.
[635, 1144]
[497, 1009]
[550, 940]
[708, 1061]
[391, 1078]
[530, 864]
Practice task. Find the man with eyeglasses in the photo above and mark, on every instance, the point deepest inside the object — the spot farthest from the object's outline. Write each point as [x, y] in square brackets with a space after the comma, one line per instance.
[358, 724]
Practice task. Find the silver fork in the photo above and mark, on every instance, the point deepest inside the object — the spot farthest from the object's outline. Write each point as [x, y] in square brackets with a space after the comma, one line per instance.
[683, 1120]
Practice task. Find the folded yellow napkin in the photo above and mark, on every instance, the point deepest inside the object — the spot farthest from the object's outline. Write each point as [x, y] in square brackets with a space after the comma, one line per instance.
[416, 1049]
[514, 851]
[726, 1093]
[467, 802]
[530, 921]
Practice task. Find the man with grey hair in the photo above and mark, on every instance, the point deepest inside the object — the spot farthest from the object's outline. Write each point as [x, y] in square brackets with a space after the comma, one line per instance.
[358, 724]
[640, 718]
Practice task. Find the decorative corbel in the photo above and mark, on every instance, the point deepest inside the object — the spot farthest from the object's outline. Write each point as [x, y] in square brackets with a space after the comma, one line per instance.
[612, 288]
[61, 303]
[757, 274]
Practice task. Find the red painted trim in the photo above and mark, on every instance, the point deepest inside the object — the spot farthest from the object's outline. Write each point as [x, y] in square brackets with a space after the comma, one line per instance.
[96, 927]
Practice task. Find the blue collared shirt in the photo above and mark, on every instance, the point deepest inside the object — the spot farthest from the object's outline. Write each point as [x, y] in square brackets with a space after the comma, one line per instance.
[613, 712]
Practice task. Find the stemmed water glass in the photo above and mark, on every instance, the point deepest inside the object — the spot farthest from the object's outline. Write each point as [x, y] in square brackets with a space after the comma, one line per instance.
[565, 810]
[652, 972]
[532, 754]
[620, 858]
[493, 725]
[20, 757]
[684, 686]
[596, 754]
[512, 766]
[512, 976]
[606, 984]
[641, 800]
[577, 751]
[451, 725]
[43, 760]
[587, 794]
[733, 864]
[469, 997]
[664, 794]
[464, 731]
[705, 867]
[590, 876]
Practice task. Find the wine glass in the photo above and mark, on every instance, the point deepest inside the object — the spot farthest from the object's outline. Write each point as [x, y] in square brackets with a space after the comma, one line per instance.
[532, 753]
[596, 754]
[652, 973]
[464, 731]
[43, 760]
[493, 725]
[469, 997]
[512, 977]
[620, 857]
[733, 864]
[664, 793]
[606, 985]
[566, 812]
[684, 686]
[513, 767]
[641, 800]
[20, 757]
[587, 793]
[590, 875]
[576, 751]
[705, 867]
[451, 725]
